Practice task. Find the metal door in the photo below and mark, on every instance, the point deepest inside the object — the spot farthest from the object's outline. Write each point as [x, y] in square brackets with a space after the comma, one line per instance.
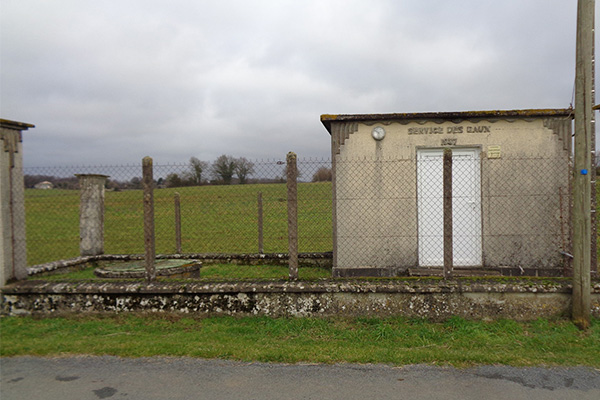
[466, 207]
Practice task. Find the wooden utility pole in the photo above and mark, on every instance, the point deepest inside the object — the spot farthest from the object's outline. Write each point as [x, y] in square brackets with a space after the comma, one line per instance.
[582, 231]
[594, 154]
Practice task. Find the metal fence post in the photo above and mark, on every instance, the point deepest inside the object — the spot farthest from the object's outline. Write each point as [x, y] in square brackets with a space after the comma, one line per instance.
[292, 212]
[177, 199]
[91, 214]
[260, 223]
[448, 240]
[149, 245]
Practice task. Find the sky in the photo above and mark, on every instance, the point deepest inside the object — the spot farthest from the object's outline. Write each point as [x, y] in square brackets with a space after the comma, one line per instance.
[109, 82]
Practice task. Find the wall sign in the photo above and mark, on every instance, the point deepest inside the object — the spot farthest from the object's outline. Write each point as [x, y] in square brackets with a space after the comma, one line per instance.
[453, 130]
[494, 152]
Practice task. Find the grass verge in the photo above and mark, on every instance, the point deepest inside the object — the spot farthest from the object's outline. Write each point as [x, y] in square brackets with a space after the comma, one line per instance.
[396, 341]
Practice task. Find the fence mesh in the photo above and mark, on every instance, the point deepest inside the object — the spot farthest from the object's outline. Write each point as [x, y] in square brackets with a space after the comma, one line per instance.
[506, 212]
[215, 217]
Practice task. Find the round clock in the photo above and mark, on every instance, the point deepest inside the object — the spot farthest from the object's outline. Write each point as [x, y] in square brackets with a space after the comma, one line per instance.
[378, 133]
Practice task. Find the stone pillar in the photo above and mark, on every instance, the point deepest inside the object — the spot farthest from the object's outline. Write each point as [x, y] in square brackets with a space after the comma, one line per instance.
[13, 250]
[91, 214]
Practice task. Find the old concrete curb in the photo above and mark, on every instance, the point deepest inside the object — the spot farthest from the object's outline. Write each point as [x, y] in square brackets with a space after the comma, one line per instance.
[434, 299]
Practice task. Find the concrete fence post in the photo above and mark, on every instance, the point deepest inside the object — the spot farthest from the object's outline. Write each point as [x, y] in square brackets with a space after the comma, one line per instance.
[292, 211]
[448, 239]
[91, 214]
[260, 223]
[177, 199]
[149, 243]
[13, 250]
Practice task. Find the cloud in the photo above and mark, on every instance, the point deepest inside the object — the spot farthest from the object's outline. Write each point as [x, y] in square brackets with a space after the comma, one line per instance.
[112, 81]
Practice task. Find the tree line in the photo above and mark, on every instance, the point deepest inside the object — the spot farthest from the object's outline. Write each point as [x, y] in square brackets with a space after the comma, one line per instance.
[225, 170]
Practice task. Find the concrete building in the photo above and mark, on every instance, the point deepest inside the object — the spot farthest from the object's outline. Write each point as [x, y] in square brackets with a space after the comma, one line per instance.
[511, 186]
[13, 252]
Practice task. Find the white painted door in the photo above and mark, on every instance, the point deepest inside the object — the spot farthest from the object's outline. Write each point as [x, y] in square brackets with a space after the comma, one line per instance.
[466, 207]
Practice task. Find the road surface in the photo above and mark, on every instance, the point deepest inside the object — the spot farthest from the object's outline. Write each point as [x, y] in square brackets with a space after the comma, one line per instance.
[113, 378]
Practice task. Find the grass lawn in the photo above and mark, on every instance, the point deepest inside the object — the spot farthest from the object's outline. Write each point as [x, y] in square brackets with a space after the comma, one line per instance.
[397, 341]
[215, 219]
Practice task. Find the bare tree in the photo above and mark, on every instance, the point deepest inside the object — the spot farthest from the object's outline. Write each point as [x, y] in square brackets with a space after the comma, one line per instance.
[196, 168]
[223, 168]
[243, 168]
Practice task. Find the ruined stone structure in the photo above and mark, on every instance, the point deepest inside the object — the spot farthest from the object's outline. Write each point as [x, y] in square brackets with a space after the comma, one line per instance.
[511, 179]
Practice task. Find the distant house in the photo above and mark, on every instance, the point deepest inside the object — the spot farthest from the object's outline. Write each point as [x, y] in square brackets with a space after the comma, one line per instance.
[44, 185]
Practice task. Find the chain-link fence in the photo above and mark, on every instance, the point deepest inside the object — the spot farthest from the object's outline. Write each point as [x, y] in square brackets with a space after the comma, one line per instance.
[219, 212]
[389, 213]
[505, 212]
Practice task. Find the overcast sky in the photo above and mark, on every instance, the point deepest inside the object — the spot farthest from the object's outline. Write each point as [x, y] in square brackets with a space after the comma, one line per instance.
[111, 81]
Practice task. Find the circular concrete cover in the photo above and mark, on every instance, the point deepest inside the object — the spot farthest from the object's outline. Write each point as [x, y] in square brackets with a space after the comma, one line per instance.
[137, 269]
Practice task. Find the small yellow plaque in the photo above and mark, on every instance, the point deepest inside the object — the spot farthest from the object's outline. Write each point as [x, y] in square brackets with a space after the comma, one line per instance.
[493, 152]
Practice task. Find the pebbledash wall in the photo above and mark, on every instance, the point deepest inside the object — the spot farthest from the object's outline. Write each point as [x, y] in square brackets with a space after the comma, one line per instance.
[515, 165]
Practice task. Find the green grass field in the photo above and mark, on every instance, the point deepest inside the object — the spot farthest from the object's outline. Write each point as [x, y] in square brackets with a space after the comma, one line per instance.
[396, 341]
[215, 219]
[220, 219]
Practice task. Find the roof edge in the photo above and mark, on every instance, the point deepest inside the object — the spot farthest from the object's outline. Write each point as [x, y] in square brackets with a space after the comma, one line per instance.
[327, 119]
[16, 125]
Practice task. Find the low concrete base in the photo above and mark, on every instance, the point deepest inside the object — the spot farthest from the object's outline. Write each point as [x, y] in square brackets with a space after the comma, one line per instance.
[377, 272]
[322, 260]
[433, 299]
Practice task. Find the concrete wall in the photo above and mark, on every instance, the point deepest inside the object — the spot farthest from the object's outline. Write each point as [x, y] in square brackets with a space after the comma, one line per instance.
[13, 251]
[434, 299]
[5, 215]
[524, 189]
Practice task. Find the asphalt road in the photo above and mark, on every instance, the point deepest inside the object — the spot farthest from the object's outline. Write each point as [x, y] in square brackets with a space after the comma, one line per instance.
[114, 378]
